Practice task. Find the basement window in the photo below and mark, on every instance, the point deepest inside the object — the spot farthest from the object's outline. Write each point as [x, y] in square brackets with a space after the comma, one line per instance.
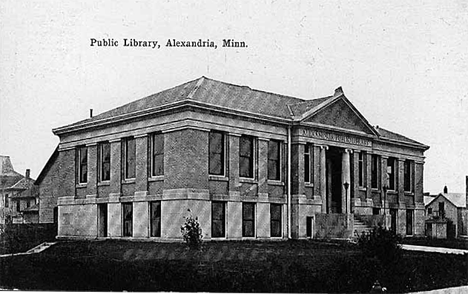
[127, 215]
[275, 220]
[218, 216]
[155, 219]
[248, 219]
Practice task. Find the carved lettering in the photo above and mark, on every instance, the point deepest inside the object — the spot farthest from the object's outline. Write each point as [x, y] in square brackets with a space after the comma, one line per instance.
[335, 137]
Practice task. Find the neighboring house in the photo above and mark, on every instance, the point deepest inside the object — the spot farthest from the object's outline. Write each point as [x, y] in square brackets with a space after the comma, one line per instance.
[18, 195]
[249, 164]
[447, 209]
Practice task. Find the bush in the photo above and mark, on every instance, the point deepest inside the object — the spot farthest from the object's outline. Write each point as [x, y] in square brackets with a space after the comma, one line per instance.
[382, 244]
[192, 232]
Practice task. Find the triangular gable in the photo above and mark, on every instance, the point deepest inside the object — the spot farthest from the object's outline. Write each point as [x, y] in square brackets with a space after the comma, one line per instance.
[339, 112]
[440, 196]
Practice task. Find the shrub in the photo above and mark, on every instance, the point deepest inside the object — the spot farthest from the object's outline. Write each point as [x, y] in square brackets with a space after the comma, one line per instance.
[192, 232]
[382, 244]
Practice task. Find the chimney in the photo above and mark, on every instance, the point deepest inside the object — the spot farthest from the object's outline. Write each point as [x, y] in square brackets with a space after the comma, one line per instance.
[28, 173]
[338, 91]
[90, 112]
[445, 190]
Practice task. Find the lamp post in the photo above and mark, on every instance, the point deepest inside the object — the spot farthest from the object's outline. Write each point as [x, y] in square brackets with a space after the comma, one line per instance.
[346, 186]
[385, 188]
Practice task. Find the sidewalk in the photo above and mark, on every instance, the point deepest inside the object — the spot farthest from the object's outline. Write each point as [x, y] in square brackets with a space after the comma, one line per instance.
[37, 249]
[433, 249]
[462, 289]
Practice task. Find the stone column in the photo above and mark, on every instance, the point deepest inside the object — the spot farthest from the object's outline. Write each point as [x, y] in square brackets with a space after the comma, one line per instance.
[316, 167]
[401, 180]
[141, 161]
[297, 169]
[346, 178]
[368, 176]
[355, 180]
[115, 168]
[383, 181]
[91, 187]
[323, 177]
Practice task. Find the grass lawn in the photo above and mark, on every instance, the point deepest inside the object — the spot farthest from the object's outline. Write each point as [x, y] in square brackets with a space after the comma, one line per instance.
[290, 266]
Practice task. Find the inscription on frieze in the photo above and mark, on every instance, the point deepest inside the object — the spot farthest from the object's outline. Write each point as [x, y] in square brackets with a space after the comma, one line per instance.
[334, 137]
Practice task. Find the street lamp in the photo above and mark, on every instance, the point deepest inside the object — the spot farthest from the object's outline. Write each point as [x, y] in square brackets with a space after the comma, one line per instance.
[385, 188]
[346, 186]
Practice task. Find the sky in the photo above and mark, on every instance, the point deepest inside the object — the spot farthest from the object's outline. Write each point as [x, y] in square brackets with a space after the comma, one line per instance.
[403, 65]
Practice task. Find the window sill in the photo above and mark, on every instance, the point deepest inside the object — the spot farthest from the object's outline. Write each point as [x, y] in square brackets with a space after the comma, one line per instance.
[275, 183]
[81, 185]
[309, 185]
[407, 193]
[156, 178]
[247, 180]
[128, 181]
[104, 183]
[362, 189]
[392, 192]
[375, 190]
[218, 178]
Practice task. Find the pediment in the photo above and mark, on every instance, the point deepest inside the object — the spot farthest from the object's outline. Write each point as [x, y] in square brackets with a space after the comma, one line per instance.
[340, 114]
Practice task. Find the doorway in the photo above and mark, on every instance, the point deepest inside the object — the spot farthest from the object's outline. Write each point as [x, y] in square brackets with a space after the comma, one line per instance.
[334, 184]
[102, 220]
[393, 217]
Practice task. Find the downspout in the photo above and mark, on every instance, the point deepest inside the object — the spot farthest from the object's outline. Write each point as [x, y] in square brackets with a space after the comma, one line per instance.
[289, 182]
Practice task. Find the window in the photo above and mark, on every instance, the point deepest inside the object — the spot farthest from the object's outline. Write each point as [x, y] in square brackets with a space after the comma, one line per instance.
[155, 219]
[248, 219]
[274, 162]
[129, 158]
[18, 206]
[104, 161]
[375, 171]
[409, 222]
[28, 203]
[408, 175]
[7, 201]
[429, 211]
[82, 156]
[307, 165]
[218, 215]
[157, 154]
[362, 169]
[375, 211]
[275, 220]
[391, 173]
[216, 153]
[127, 213]
[309, 226]
[246, 156]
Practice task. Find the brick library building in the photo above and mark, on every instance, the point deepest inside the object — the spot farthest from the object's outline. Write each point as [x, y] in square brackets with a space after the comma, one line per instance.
[248, 163]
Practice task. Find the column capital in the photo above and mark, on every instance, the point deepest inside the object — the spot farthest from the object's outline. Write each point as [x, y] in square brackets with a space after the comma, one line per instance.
[348, 150]
[323, 147]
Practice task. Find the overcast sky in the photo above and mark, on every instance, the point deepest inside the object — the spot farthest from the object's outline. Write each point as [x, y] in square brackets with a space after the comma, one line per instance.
[403, 64]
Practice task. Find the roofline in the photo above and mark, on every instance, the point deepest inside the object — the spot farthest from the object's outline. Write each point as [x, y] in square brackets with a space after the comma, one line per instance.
[167, 107]
[46, 166]
[442, 195]
[407, 144]
[337, 96]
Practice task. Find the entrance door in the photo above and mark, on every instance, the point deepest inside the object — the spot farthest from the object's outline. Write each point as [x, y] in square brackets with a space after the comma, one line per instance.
[309, 226]
[334, 158]
[102, 220]
[409, 222]
[393, 216]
